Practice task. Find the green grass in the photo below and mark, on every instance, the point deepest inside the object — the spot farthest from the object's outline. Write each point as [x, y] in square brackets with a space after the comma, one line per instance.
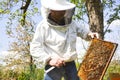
[29, 73]
[32, 73]
[113, 68]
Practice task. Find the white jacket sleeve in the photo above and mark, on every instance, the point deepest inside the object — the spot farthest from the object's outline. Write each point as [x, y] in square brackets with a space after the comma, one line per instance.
[82, 31]
[37, 52]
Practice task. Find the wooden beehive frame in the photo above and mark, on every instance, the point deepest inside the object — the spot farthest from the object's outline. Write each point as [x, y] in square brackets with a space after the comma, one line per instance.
[96, 60]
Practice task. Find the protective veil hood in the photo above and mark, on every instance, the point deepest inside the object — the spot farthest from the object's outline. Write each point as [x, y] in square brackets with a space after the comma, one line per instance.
[57, 5]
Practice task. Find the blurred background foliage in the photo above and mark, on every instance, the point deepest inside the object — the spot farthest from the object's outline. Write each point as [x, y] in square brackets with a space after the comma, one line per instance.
[21, 18]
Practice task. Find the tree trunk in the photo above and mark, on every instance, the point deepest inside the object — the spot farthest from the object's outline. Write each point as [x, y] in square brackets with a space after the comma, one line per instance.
[95, 14]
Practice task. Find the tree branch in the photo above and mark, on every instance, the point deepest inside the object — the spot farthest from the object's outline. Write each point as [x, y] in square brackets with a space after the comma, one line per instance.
[24, 8]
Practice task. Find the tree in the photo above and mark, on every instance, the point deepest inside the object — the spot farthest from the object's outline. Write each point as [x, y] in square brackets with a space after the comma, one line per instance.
[95, 14]
[94, 11]
[20, 25]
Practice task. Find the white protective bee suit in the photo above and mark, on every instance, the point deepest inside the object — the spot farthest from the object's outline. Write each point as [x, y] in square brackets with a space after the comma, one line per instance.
[52, 40]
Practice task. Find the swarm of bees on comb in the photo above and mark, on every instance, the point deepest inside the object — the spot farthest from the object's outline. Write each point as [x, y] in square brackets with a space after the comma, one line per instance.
[96, 60]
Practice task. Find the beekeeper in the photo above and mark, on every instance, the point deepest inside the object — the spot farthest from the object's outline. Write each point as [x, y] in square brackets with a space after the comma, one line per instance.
[54, 42]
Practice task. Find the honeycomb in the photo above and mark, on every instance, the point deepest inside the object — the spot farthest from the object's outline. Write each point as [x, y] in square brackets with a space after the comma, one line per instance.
[96, 60]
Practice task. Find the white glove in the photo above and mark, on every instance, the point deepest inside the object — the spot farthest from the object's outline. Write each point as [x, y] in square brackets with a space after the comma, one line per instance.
[93, 35]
